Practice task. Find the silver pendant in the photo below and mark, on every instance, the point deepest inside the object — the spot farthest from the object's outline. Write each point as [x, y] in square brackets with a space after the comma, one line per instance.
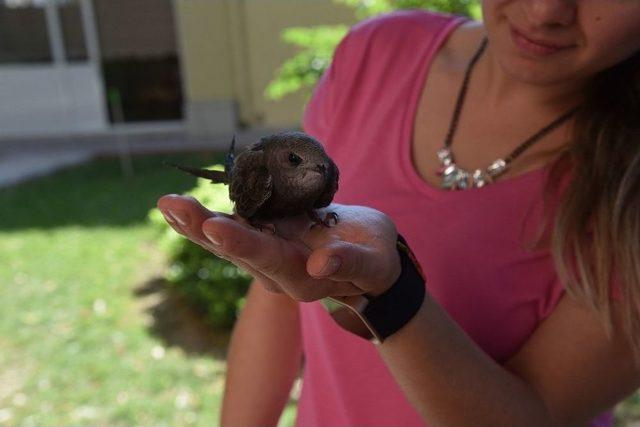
[455, 178]
[480, 179]
[497, 167]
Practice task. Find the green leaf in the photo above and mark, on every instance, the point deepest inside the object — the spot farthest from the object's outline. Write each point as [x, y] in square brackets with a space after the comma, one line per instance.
[317, 44]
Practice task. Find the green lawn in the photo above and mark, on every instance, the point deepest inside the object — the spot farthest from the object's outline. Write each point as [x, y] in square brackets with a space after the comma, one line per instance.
[87, 334]
[88, 337]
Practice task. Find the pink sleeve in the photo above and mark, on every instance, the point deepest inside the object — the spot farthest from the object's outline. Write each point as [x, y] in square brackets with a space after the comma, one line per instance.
[363, 58]
[347, 66]
[557, 291]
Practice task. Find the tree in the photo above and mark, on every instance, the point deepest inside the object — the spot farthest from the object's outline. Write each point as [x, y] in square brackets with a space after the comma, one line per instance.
[317, 43]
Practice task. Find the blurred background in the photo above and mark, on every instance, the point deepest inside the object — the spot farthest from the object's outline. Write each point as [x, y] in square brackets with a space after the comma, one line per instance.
[108, 317]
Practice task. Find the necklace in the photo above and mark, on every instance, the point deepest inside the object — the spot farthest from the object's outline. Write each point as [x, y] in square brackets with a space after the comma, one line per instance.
[456, 178]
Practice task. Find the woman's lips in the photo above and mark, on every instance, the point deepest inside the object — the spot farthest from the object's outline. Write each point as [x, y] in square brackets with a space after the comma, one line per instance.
[535, 48]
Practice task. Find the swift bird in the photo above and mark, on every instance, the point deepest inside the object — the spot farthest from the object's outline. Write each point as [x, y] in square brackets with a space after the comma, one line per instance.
[281, 176]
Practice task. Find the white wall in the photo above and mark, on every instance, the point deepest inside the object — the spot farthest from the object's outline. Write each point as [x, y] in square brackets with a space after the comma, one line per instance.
[45, 100]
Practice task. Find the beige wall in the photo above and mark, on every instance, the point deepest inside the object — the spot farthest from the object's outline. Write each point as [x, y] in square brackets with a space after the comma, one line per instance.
[230, 50]
[205, 48]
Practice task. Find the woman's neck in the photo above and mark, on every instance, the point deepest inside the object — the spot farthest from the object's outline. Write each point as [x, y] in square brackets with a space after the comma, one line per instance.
[501, 91]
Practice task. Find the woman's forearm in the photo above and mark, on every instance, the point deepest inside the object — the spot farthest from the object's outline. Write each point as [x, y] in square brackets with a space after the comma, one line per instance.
[264, 358]
[451, 382]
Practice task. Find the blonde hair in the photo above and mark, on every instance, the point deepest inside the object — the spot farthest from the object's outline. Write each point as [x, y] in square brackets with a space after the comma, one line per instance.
[595, 238]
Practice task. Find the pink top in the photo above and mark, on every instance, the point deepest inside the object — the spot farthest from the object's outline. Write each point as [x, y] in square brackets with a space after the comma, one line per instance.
[468, 242]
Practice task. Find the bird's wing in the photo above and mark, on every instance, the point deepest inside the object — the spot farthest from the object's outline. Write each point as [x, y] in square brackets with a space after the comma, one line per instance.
[330, 188]
[250, 187]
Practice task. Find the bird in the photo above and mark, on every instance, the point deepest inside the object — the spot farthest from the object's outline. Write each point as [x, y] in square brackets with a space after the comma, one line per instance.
[280, 177]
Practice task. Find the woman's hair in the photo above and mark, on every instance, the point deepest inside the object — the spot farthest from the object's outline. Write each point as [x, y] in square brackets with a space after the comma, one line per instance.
[595, 238]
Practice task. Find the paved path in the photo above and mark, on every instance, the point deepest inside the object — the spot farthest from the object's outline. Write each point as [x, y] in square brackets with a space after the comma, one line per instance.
[24, 159]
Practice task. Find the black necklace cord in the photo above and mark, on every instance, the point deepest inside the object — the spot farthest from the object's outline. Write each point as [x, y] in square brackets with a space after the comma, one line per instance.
[460, 102]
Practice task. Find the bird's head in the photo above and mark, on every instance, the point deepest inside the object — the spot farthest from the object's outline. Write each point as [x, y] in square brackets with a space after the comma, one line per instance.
[297, 162]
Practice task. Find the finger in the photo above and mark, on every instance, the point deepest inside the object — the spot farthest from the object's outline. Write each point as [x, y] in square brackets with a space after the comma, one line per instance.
[186, 215]
[187, 210]
[271, 286]
[173, 223]
[266, 282]
[366, 267]
[284, 262]
[263, 251]
[182, 212]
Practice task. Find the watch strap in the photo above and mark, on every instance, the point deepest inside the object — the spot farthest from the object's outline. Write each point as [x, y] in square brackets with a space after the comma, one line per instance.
[376, 318]
[391, 310]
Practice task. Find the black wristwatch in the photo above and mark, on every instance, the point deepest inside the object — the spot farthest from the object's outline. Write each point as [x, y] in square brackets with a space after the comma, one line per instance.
[376, 318]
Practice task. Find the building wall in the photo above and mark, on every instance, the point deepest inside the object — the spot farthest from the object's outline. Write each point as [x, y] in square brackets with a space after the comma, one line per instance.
[230, 50]
[44, 100]
[130, 28]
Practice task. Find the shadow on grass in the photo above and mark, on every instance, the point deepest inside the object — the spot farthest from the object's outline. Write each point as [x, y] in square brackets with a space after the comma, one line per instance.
[97, 194]
[176, 323]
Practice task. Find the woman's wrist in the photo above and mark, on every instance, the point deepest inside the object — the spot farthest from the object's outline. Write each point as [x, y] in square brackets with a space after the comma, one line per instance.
[397, 261]
[378, 315]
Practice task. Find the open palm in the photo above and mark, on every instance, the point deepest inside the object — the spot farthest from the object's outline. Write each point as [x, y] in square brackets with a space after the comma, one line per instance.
[363, 241]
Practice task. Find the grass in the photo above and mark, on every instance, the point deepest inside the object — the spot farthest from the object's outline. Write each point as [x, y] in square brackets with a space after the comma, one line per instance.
[78, 329]
[86, 336]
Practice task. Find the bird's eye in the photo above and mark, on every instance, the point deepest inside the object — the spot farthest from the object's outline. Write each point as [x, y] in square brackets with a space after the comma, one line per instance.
[294, 159]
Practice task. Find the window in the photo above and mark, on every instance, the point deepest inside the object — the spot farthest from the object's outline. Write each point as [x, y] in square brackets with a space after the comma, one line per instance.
[23, 32]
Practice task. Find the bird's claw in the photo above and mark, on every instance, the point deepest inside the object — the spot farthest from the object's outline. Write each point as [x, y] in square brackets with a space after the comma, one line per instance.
[262, 227]
[330, 220]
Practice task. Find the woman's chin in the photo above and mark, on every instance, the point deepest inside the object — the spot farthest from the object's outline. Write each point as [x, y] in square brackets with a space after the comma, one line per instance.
[535, 73]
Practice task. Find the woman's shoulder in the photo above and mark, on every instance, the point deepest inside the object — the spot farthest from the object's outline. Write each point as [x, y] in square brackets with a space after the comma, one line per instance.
[408, 23]
[395, 36]
[422, 20]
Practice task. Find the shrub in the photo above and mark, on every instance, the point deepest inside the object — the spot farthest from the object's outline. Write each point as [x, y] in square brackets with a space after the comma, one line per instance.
[212, 284]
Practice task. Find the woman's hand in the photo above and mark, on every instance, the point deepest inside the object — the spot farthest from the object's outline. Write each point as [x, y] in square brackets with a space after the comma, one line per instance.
[356, 256]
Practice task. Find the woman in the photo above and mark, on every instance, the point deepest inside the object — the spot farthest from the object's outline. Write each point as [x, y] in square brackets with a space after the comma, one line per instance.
[526, 322]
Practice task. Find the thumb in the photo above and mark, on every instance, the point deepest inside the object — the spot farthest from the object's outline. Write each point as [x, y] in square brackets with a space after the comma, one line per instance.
[368, 268]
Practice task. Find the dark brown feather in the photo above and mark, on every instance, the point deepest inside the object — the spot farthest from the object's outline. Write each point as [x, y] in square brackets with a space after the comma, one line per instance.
[251, 184]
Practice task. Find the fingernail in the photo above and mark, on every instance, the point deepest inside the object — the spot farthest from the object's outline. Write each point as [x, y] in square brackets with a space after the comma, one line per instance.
[216, 240]
[179, 217]
[208, 246]
[167, 217]
[331, 266]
